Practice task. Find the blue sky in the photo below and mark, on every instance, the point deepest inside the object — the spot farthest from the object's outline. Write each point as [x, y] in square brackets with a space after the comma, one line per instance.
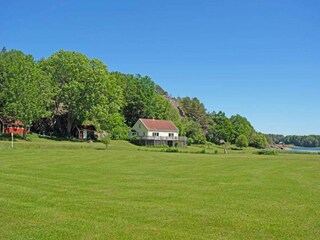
[257, 58]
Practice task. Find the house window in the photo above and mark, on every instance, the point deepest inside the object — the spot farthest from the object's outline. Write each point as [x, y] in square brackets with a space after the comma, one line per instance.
[171, 134]
[155, 134]
[139, 125]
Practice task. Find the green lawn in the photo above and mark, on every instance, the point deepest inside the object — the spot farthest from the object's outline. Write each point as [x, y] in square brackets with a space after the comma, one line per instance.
[65, 190]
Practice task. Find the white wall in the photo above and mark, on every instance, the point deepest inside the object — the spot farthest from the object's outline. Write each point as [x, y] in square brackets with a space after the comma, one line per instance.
[163, 134]
[140, 129]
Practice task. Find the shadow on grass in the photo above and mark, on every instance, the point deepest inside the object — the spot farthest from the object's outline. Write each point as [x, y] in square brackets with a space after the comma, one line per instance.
[65, 139]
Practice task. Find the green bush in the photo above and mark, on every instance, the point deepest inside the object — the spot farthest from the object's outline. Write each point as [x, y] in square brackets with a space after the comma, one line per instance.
[242, 141]
[190, 141]
[259, 141]
[266, 152]
[172, 150]
[120, 133]
[203, 151]
[105, 140]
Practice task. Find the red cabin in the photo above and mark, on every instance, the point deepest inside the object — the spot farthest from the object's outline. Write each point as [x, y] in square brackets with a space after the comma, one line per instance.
[7, 126]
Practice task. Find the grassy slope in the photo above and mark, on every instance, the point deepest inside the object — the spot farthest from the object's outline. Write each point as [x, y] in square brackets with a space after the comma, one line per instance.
[63, 190]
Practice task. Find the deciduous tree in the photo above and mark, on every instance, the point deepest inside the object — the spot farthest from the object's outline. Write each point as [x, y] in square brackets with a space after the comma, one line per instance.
[84, 88]
[25, 89]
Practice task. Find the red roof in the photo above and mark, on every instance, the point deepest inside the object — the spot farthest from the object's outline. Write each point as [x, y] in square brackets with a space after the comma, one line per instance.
[159, 125]
[7, 120]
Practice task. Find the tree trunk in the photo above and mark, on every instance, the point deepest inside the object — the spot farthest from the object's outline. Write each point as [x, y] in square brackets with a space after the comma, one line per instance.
[69, 124]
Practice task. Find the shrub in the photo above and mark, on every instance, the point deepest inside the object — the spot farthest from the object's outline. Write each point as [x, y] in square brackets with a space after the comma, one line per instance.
[120, 133]
[259, 141]
[266, 152]
[172, 150]
[190, 141]
[242, 141]
[106, 140]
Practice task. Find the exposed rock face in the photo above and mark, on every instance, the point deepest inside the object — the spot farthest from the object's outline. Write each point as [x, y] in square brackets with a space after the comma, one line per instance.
[175, 104]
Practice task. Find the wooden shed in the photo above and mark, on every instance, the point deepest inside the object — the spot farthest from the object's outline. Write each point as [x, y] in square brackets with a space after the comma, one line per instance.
[8, 126]
[85, 132]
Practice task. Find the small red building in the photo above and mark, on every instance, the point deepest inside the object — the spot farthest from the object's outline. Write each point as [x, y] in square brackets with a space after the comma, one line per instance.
[7, 126]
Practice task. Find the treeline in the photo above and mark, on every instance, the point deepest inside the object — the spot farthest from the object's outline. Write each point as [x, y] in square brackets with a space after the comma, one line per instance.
[302, 141]
[66, 89]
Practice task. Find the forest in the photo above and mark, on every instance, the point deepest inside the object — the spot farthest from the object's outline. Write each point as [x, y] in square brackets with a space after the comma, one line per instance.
[303, 141]
[56, 93]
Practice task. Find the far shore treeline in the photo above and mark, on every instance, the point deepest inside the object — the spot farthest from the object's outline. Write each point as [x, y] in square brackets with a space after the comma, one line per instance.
[57, 93]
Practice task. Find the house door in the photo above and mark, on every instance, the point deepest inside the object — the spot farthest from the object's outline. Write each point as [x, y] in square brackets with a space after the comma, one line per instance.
[85, 135]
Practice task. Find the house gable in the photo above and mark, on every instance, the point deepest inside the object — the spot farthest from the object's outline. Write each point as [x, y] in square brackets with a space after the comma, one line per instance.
[140, 129]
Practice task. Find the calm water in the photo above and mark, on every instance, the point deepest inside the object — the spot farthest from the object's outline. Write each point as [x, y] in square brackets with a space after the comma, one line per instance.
[317, 149]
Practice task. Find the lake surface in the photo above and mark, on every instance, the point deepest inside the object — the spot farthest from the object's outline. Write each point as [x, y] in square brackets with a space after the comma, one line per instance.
[316, 149]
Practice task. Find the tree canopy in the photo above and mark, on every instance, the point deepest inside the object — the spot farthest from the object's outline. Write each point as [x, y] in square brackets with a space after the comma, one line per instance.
[25, 89]
[83, 88]
[68, 89]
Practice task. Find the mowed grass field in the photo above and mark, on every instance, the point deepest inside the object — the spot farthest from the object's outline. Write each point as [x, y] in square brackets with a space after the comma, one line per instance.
[64, 190]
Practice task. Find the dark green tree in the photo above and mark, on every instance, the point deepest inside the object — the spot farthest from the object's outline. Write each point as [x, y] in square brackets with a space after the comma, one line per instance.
[84, 89]
[3, 50]
[26, 90]
[220, 128]
[242, 126]
[258, 141]
[194, 132]
[242, 141]
[310, 141]
[195, 111]
[139, 96]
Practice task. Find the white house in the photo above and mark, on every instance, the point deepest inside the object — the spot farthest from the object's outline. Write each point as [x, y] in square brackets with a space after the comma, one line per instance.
[156, 132]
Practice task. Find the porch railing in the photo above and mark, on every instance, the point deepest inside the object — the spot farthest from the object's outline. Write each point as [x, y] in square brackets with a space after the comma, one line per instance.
[159, 138]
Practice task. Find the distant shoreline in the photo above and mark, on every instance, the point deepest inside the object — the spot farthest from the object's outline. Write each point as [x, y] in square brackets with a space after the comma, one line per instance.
[295, 148]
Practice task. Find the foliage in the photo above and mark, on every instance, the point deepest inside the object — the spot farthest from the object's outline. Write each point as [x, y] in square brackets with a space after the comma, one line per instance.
[105, 140]
[242, 126]
[139, 95]
[193, 131]
[76, 89]
[303, 141]
[266, 152]
[310, 141]
[258, 141]
[120, 132]
[220, 128]
[242, 141]
[195, 111]
[164, 110]
[161, 91]
[25, 89]
[84, 89]
[172, 150]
